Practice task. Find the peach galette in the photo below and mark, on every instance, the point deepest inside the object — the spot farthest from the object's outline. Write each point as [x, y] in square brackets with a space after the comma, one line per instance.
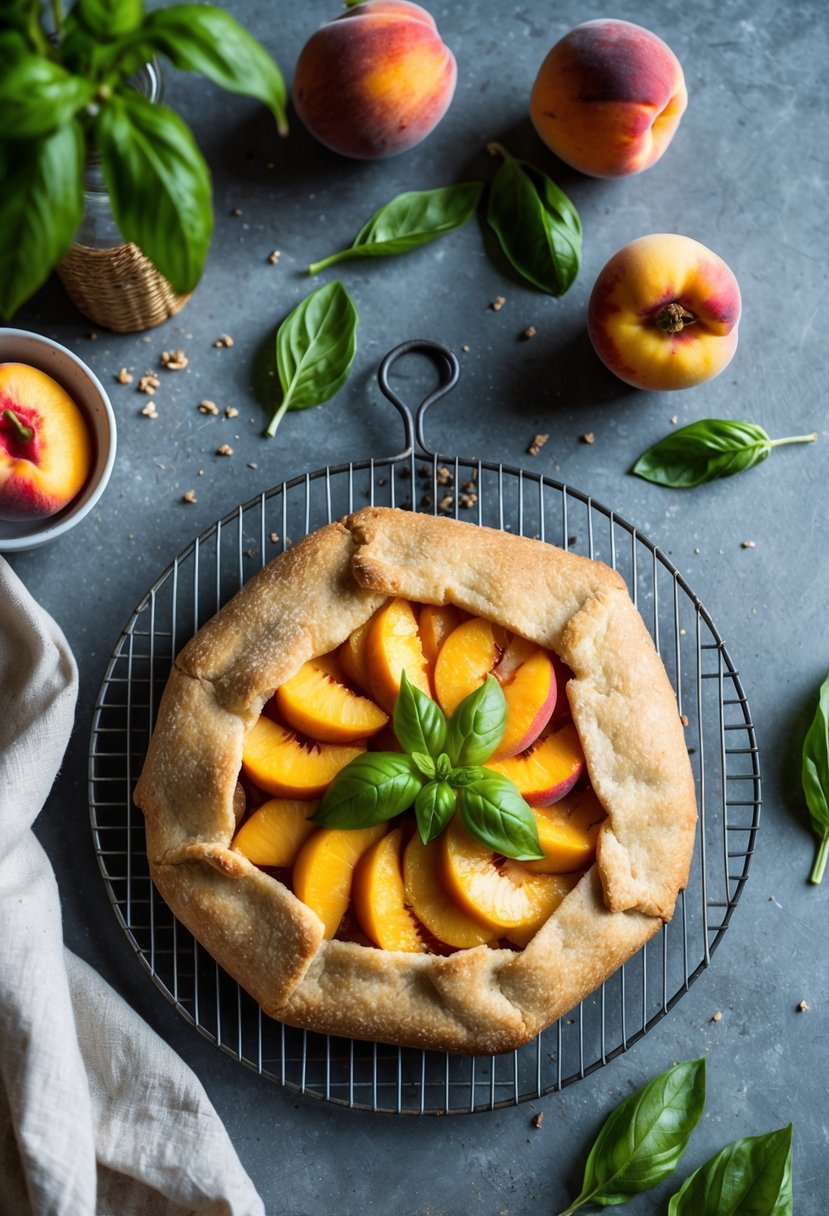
[421, 782]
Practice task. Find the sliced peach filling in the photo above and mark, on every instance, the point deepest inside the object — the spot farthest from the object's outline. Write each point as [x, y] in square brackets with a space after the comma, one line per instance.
[400, 893]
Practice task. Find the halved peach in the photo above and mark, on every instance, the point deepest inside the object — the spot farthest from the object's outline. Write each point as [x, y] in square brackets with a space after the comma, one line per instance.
[436, 622]
[324, 868]
[465, 660]
[501, 893]
[564, 884]
[316, 702]
[379, 897]
[279, 763]
[431, 903]
[567, 832]
[530, 693]
[393, 646]
[275, 832]
[548, 770]
[352, 655]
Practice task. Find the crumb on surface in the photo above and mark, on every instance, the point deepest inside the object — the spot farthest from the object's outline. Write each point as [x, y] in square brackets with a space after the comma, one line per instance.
[274, 538]
[208, 407]
[273, 256]
[467, 499]
[149, 410]
[529, 332]
[684, 719]
[674, 419]
[92, 336]
[236, 211]
[536, 444]
[498, 303]
[538, 1119]
[748, 544]
[231, 411]
[174, 360]
[224, 450]
[465, 348]
[444, 477]
[716, 1017]
[252, 464]
[803, 1007]
[588, 437]
[190, 496]
[447, 502]
[124, 376]
[148, 383]
[224, 340]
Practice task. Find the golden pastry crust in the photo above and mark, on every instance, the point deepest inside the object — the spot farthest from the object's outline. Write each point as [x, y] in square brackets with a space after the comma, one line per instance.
[306, 603]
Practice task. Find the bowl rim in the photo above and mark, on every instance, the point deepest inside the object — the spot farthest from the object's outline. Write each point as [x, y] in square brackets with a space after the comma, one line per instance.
[34, 539]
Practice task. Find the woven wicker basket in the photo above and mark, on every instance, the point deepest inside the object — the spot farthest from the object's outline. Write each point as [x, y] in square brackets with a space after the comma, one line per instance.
[118, 288]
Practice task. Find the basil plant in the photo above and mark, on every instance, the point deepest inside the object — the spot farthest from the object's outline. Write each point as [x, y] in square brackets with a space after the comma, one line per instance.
[65, 90]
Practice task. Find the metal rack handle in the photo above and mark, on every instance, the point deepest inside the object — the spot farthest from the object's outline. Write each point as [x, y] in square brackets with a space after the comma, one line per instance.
[449, 370]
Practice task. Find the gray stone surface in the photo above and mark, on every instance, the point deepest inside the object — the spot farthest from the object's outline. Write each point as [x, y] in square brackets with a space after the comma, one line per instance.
[745, 175]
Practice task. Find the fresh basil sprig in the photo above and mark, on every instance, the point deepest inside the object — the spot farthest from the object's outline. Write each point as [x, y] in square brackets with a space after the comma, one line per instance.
[642, 1140]
[815, 779]
[706, 450]
[408, 221]
[538, 228]
[440, 774]
[315, 347]
[749, 1175]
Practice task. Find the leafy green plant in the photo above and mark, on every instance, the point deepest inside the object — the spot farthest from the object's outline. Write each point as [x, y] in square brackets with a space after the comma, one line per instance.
[439, 774]
[706, 450]
[315, 347]
[815, 779]
[752, 1175]
[65, 91]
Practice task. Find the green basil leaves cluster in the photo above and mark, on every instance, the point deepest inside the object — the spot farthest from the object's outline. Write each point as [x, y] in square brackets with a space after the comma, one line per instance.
[642, 1140]
[65, 92]
[439, 773]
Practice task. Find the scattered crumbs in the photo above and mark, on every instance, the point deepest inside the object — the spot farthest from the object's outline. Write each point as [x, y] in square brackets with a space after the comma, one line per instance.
[571, 1021]
[696, 551]
[148, 383]
[426, 500]
[748, 544]
[236, 211]
[467, 500]
[683, 719]
[447, 502]
[538, 1119]
[469, 486]
[274, 538]
[224, 340]
[498, 303]
[803, 1007]
[149, 410]
[174, 360]
[528, 333]
[208, 407]
[465, 348]
[231, 412]
[716, 1017]
[537, 444]
[92, 336]
[444, 477]
[382, 481]
[124, 377]
[252, 464]
[588, 437]
[273, 257]
[190, 496]
[674, 419]
[224, 450]
[683, 633]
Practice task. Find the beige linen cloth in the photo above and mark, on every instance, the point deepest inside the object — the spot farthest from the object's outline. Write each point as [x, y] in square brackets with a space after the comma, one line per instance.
[98, 1116]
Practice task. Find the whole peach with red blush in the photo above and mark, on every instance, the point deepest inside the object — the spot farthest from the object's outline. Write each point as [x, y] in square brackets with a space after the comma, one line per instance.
[374, 81]
[608, 98]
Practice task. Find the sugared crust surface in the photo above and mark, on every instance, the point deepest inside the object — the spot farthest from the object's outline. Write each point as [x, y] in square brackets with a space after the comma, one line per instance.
[305, 603]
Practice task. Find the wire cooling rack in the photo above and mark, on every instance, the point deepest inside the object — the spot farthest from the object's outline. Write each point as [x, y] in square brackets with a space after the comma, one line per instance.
[719, 731]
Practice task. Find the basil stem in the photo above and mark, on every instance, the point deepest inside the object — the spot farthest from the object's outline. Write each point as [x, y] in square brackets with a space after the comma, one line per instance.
[409, 221]
[642, 1140]
[315, 347]
[477, 725]
[750, 1175]
[537, 226]
[707, 450]
[815, 779]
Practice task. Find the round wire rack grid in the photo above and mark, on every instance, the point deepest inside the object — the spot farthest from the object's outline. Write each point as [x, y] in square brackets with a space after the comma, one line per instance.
[720, 736]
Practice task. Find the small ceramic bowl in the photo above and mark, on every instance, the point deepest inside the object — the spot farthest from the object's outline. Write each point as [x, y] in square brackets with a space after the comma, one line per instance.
[84, 387]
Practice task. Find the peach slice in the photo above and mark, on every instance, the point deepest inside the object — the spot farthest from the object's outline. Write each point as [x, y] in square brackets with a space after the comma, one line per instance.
[324, 869]
[466, 658]
[530, 692]
[352, 655]
[564, 884]
[393, 646]
[279, 763]
[436, 622]
[431, 903]
[548, 770]
[567, 832]
[379, 897]
[501, 893]
[275, 832]
[317, 703]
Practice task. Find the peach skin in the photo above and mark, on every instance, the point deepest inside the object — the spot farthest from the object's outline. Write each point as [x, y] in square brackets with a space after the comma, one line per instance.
[608, 98]
[663, 313]
[375, 81]
[45, 444]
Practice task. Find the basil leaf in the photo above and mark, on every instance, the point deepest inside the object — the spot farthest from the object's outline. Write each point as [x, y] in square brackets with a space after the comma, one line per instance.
[750, 1177]
[815, 779]
[409, 221]
[159, 185]
[205, 39]
[109, 19]
[425, 764]
[419, 722]
[495, 814]
[372, 788]
[434, 807]
[315, 347]
[476, 726]
[706, 450]
[37, 96]
[642, 1140]
[537, 226]
[41, 206]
